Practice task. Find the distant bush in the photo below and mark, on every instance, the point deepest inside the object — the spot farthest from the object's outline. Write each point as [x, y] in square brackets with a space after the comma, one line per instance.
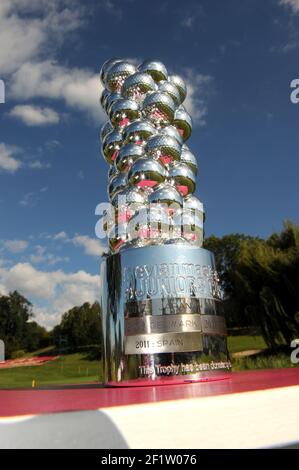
[18, 354]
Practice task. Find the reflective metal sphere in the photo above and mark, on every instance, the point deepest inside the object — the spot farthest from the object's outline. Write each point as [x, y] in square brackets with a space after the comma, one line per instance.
[105, 129]
[117, 183]
[171, 90]
[110, 100]
[104, 97]
[166, 195]
[123, 111]
[127, 196]
[111, 145]
[172, 132]
[163, 147]
[189, 226]
[180, 84]
[150, 224]
[146, 172]
[138, 131]
[127, 156]
[117, 74]
[194, 205]
[152, 173]
[156, 69]
[107, 219]
[105, 67]
[159, 108]
[126, 202]
[183, 122]
[189, 158]
[112, 171]
[136, 86]
[183, 178]
[118, 236]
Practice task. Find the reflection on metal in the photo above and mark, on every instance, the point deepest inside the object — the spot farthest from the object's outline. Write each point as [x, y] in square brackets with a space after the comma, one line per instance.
[177, 323]
[160, 291]
[162, 324]
[161, 316]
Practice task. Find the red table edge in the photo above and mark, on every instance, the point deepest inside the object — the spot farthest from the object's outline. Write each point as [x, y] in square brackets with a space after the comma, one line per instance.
[24, 402]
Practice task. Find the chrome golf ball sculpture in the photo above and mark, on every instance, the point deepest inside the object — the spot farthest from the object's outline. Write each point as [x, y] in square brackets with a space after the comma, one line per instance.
[160, 294]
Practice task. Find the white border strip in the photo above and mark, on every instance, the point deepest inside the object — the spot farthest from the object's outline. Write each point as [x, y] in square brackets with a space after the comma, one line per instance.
[266, 418]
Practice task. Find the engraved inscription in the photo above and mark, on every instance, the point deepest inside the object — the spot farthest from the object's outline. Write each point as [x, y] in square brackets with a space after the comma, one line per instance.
[147, 324]
[162, 324]
[183, 369]
[170, 280]
[163, 343]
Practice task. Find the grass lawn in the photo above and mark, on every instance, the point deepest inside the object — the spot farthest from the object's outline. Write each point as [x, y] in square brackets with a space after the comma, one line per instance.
[263, 361]
[68, 369]
[77, 368]
[244, 343]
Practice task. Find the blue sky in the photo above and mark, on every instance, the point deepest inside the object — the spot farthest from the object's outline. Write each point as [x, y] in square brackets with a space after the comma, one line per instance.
[238, 59]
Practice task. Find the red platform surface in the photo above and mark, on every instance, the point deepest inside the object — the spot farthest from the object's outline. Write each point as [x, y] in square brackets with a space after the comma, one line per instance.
[32, 402]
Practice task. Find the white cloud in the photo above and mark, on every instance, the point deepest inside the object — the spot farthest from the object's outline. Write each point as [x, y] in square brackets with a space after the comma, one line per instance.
[31, 30]
[92, 246]
[79, 88]
[77, 291]
[27, 25]
[60, 236]
[32, 76]
[32, 198]
[112, 9]
[293, 4]
[8, 162]
[38, 165]
[25, 278]
[16, 246]
[285, 48]
[41, 255]
[35, 115]
[53, 292]
[292, 42]
[198, 86]
[191, 19]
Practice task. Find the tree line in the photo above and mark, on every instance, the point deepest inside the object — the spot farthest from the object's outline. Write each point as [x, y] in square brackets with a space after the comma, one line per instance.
[79, 327]
[259, 279]
[18, 330]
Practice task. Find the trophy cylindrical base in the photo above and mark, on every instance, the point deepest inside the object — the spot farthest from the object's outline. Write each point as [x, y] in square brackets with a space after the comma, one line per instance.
[161, 317]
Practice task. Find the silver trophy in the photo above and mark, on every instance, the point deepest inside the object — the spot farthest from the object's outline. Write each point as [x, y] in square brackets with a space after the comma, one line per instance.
[160, 294]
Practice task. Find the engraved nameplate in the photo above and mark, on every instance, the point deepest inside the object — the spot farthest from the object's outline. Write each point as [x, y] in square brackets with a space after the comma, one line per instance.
[207, 324]
[163, 343]
[213, 325]
[162, 324]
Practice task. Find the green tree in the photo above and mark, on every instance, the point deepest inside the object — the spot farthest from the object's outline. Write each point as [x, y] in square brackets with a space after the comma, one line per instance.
[15, 312]
[37, 337]
[226, 250]
[266, 284]
[80, 326]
